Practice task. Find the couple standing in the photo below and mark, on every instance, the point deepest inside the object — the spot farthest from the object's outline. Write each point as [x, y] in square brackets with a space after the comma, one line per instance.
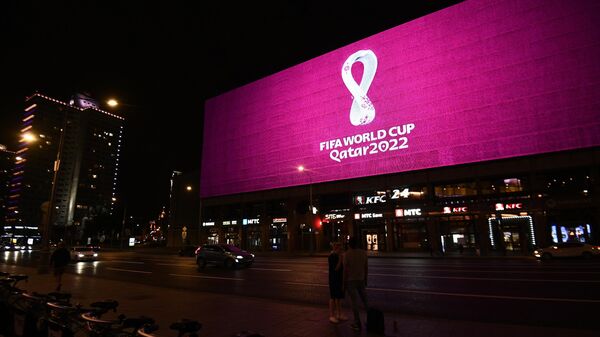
[347, 271]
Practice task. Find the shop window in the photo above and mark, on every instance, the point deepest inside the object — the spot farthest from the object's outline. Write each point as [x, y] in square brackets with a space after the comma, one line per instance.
[571, 233]
[567, 183]
[504, 185]
[455, 190]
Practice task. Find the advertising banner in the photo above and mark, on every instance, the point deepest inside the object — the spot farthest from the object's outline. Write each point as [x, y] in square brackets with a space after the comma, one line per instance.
[478, 81]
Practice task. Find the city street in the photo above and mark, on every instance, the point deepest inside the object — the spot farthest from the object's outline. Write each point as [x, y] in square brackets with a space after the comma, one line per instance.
[523, 291]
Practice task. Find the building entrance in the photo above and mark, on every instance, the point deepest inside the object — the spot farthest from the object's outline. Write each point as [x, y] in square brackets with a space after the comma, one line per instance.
[372, 241]
[512, 234]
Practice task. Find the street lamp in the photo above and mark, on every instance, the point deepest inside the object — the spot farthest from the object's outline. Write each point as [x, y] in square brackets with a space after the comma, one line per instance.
[47, 230]
[112, 102]
[28, 137]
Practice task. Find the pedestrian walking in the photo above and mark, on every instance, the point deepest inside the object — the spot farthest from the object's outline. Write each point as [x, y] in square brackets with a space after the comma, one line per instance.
[59, 260]
[336, 283]
[355, 278]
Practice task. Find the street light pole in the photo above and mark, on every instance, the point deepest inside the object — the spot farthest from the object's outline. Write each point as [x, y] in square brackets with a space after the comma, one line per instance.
[310, 207]
[123, 226]
[47, 231]
[47, 222]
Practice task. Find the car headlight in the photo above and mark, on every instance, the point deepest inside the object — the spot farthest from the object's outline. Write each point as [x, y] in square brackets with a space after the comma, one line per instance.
[536, 251]
[95, 255]
[80, 255]
[252, 255]
[239, 257]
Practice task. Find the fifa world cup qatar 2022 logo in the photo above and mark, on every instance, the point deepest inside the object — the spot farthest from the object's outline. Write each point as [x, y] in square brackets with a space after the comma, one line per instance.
[362, 111]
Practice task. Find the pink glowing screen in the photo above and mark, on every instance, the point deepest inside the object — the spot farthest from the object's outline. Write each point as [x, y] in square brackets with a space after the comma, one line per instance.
[478, 81]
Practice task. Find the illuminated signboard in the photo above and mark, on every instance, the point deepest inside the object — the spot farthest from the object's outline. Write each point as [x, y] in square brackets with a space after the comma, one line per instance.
[279, 220]
[473, 82]
[381, 197]
[365, 200]
[229, 222]
[368, 215]
[250, 221]
[335, 216]
[401, 212]
[507, 207]
[451, 210]
[208, 223]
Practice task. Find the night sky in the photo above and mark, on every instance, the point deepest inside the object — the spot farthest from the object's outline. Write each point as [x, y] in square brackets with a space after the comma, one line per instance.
[163, 59]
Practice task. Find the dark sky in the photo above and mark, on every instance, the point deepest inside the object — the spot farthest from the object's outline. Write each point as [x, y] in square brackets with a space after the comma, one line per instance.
[163, 59]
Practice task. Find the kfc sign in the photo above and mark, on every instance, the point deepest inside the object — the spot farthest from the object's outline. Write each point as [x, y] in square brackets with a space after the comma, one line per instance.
[452, 210]
[508, 207]
[376, 199]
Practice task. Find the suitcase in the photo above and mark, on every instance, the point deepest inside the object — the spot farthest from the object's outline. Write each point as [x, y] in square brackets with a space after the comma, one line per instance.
[375, 322]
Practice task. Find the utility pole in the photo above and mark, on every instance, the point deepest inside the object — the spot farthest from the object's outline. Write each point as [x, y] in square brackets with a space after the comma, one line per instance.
[123, 225]
[47, 232]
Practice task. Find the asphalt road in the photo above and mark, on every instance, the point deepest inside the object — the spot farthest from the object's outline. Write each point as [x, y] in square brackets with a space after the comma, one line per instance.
[564, 293]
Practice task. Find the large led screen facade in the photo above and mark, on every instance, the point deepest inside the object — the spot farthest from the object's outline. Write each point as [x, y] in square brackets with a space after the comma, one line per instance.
[478, 81]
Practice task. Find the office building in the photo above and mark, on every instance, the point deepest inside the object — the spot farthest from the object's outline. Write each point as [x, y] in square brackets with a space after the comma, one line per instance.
[473, 129]
[88, 141]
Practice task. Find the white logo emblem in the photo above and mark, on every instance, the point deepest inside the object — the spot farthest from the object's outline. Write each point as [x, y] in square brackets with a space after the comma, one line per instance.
[362, 111]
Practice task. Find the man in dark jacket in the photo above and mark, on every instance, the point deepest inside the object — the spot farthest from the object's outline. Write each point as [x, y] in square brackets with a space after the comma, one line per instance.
[59, 260]
[355, 278]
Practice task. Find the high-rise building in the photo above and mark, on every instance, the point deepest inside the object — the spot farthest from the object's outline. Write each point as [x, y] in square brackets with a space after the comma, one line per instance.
[87, 140]
[7, 162]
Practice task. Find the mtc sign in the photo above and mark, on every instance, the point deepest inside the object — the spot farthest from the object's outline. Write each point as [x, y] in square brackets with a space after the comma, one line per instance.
[508, 207]
[401, 212]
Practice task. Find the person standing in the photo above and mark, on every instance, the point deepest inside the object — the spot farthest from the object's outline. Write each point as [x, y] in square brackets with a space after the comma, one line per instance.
[355, 278]
[336, 283]
[59, 260]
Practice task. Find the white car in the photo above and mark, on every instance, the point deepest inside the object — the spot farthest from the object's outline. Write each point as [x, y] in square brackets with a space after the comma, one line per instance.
[82, 253]
[570, 249]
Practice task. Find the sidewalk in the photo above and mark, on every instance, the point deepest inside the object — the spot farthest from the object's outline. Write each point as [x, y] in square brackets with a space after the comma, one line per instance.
[227, 315]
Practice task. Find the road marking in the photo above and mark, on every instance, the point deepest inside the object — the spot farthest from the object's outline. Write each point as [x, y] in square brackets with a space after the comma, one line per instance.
[269, 269]
[459, 270]
[308, 284]
[484, 278]
[424, 292]
[131, 271]
[209, 277]
[177, 265]
[120, 261]
[486, 267]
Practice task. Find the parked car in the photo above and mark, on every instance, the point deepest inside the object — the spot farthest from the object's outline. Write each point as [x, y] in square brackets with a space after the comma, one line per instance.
[187, 250]
[569, 249]
[228, 256]
[83, 253]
